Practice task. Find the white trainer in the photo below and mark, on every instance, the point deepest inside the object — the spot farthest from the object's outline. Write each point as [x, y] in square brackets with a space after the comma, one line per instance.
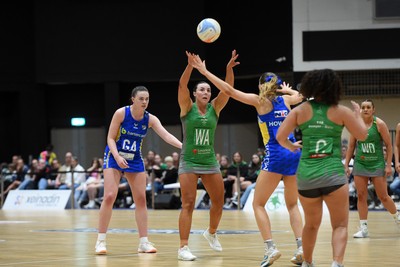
[397, 219]
[306, 264]
[336, 264]
[270, 255]
[362, 233]
[184, 254]
[101, 248]
[298, 256]
[146, 247]
[212, 240]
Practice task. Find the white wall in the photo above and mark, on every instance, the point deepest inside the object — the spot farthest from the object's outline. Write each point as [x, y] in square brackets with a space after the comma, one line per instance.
[320, 15]
[85, 143]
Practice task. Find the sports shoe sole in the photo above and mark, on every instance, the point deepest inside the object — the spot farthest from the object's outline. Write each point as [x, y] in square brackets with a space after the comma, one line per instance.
[154, 250]
[148, 251]
[363, 236]
[298, 260]
[213, 248]
[273, 259]
[101, 252]
[185, 259]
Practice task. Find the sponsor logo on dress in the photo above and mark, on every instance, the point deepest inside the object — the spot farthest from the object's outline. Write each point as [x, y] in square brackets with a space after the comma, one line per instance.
[203, 120]
[280, 113]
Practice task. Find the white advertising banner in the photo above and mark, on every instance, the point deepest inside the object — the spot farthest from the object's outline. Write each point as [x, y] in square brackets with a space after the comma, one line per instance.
[37, 200]
[276, 202]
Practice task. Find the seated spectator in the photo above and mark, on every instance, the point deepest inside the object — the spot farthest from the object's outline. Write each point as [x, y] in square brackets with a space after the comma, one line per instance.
[224, 164]
[62, 171]
[150, 157]
[238, 168]
[75, 177]
[18, 176]
[250, 182]
[52, 177]
[158, 160]
[10, 180]
[254, 170]
[9, 170]
[37, 176]
[30, 175]
[244, 197]
[158, 166]
[175, 158]
[15, 158]
[344, 152]
[93, 182]
[48, 155]
[218, 157]
[169, 175]
[8, 173]
[21, 169]
[3, 166]
[79, 175]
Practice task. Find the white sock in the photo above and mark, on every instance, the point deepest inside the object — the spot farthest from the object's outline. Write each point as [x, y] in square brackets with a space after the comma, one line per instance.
[91, 203]
[364, 223]
[269, 243]
[101, 237]
[395, 215]
[299, 242]
[144, 240]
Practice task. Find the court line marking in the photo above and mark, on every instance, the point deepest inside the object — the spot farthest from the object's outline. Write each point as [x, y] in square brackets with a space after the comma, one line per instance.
[167, 251]
[15, 222]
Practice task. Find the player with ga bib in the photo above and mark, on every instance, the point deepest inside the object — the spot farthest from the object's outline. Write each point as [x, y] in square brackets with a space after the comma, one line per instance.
[123, 156]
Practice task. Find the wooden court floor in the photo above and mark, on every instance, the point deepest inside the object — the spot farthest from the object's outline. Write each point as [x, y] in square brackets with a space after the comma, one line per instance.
[67, 238]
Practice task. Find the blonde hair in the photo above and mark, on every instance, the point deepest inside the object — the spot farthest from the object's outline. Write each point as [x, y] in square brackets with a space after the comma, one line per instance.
[269, 82]
[168, 158]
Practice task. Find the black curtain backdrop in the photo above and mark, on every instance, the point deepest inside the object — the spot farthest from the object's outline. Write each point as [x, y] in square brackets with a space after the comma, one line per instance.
[82, 58]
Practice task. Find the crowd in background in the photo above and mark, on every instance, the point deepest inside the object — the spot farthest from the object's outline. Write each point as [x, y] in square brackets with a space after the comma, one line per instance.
[240, 176]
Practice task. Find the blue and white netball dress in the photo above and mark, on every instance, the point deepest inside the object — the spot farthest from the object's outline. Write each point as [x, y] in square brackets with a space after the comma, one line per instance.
[277, 158]
[129, 143]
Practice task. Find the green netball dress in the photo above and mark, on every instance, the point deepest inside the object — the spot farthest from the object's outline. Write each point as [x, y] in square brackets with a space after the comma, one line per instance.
[197, 154]
[369, 160]
[320, 163]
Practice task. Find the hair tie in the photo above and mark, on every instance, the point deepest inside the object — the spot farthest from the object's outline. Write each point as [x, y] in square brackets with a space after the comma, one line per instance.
[269, 78]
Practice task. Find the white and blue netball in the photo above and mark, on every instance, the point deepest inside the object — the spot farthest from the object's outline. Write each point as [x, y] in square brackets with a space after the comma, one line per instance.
[208, 30]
